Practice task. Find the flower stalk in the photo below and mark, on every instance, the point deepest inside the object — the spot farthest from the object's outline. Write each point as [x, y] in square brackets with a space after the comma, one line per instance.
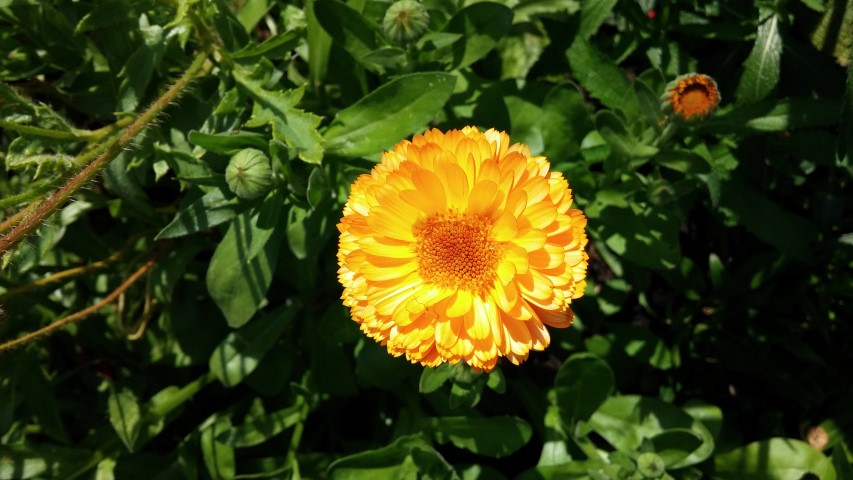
[51, 203]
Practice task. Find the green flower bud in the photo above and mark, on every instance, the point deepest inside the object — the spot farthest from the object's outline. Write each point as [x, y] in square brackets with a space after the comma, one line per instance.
[650, 465]
[249, 174]
[405, 21]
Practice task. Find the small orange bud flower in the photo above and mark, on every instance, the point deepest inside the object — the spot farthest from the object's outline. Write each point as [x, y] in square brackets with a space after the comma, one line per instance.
[692, 97]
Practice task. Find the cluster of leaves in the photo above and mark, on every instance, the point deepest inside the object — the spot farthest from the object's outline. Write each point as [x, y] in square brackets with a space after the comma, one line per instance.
[713, 340]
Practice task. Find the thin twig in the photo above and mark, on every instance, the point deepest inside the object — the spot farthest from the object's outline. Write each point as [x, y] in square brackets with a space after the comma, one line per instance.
[74, 317]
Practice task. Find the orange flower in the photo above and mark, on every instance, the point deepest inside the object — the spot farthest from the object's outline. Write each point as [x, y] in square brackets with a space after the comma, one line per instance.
[459, 246]
[692, 97]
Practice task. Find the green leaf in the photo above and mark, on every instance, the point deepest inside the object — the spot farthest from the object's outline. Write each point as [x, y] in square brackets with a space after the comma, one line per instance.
[601, 77]
[640, 343]
[710, 415]
[241, 269]
[582, 384]
[681, 161]
[389, 114]
[213, 209]
[625, 421]
[593, 14]
[761, 69]
[228, 143]
[615, 133]
[842, 466]
[294, 127]
[218, 457]
[406, 458]
[319, 187]
[241, 351]
[493, 437]
[277, 46]
[773, 459]
[480, 26]
[644, 235]
[139, 68]
[675, 445]
[349, 28]
[18, 462]
[774, 116]
[433, 378]
[126, 417]
[788, 232]
[258, 430]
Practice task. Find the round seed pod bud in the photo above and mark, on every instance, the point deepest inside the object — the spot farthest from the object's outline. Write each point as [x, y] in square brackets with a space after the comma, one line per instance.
[249, 174]
[405, 21]
[650, 465]
[692, 97]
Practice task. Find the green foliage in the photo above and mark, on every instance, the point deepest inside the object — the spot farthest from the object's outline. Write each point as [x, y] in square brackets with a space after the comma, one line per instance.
[714, 337]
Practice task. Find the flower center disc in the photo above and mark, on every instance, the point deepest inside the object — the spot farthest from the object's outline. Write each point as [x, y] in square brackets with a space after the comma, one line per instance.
[696, 100]
[457, 251]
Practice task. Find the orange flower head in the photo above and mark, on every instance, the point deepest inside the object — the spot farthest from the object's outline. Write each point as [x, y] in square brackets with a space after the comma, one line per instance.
[692, 97]
[460, 246]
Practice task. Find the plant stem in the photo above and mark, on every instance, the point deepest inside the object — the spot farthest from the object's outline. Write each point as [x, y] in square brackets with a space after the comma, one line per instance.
[53, 202]
[80, 315]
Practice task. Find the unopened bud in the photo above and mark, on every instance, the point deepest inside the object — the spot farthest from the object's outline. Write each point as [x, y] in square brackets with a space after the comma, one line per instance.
[692, 97]
[405, 21]
[249, 174]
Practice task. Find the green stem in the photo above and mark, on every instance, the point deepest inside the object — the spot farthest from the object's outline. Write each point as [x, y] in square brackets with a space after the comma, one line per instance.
[35, 189]
[53, 202]
[43, 132]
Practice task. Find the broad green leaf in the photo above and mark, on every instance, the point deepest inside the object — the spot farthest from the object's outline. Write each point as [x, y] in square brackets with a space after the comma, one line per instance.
[681, 161]
[389, 114]
[843, 468]
[625, 421]
[493, 437]
[582, 384]
[640, 343]
[213, 209]
[405, 458]
[41, 397]
[593, 14]
[601, 77]
[787, 231]
[241, 351]
[126, 417]
[18, 462]
[644, 235]
[218, 457]
[139, 68]
[554, 449]
[673, 446]
[774, 116]
[251, 12]
[710, 415]
[241, 269]
[319, 44]
[350, 29]
[319, 187]
[773, 459]
[258, 430]
[761, 69]
[228, 143]
[481, 26]
[616, 134]
[296, 128]
[433, 378]
[649, 104]
[277, 46]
